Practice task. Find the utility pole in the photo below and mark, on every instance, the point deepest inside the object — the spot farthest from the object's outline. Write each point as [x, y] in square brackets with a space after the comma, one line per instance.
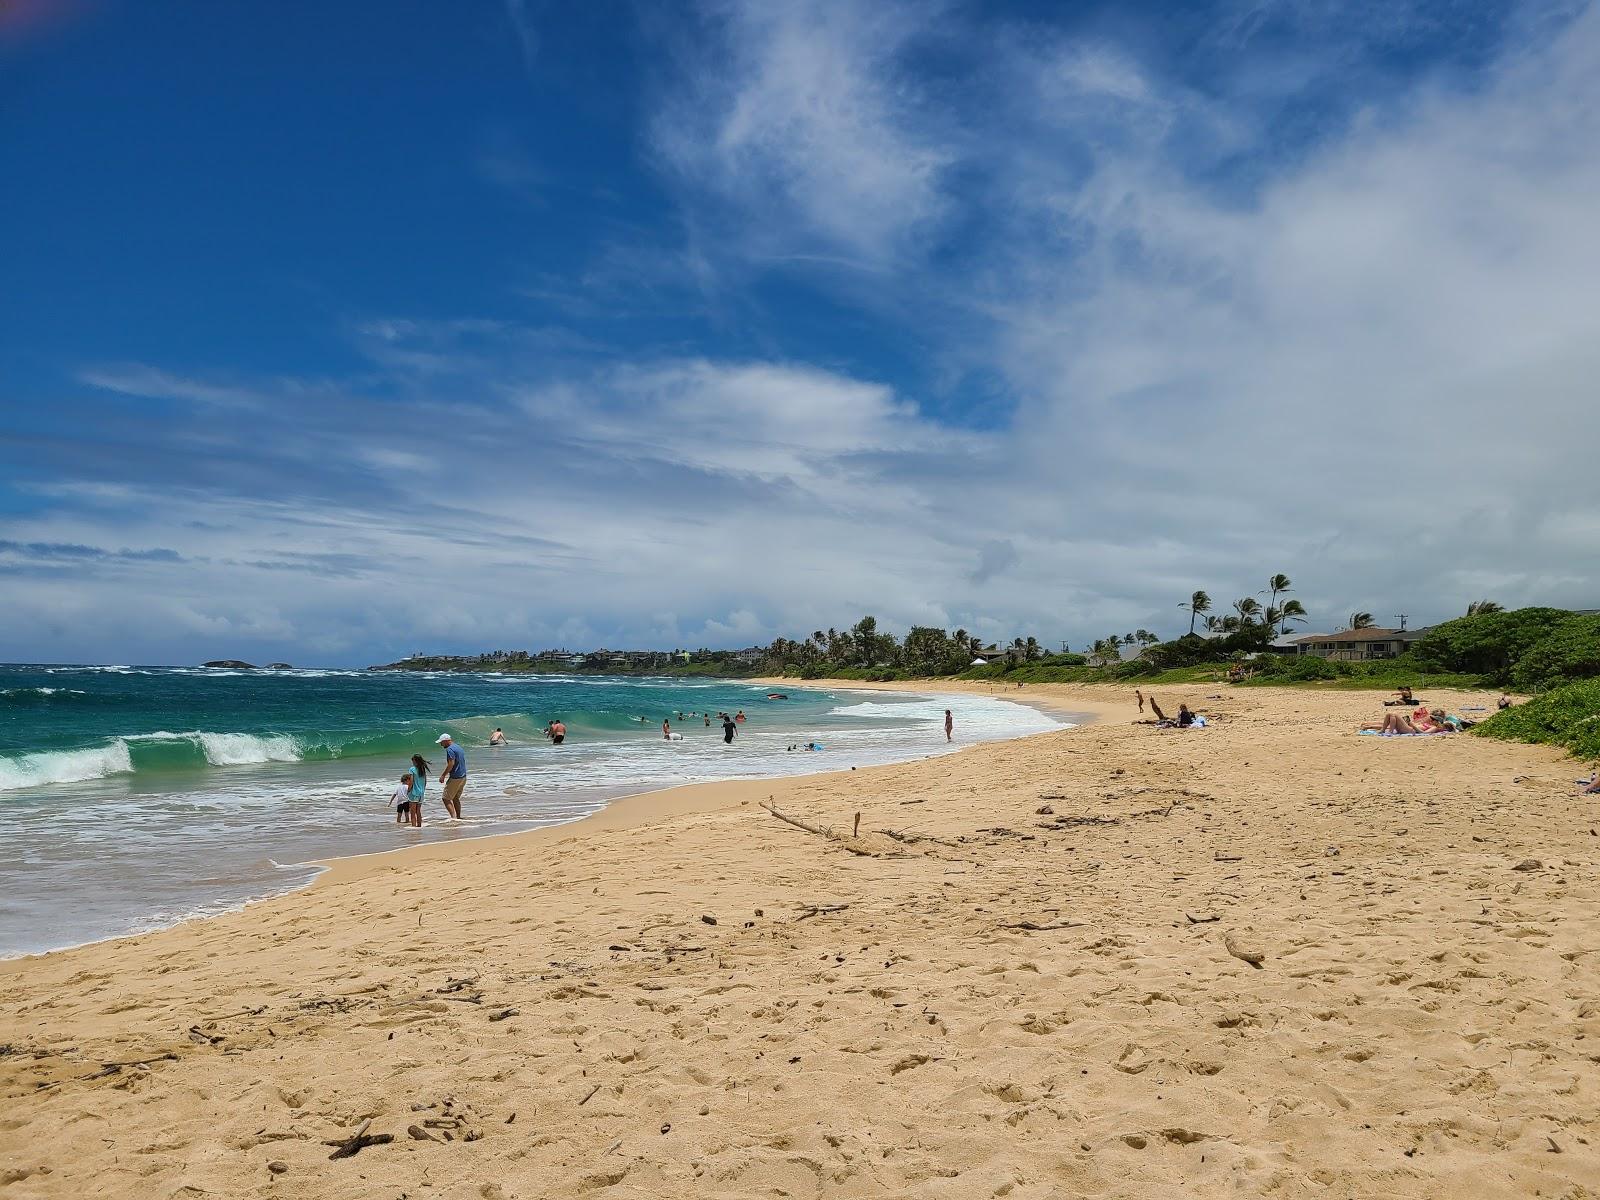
[1402, 617]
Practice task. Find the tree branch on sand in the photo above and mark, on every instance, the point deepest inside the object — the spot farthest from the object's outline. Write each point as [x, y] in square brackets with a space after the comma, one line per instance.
[849, 843]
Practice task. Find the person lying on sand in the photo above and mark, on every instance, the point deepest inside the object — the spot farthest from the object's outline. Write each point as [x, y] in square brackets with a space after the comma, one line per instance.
[1432, 720]
[1392, 724]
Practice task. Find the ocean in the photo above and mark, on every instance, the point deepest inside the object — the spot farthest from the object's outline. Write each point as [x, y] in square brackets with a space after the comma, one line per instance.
[136, 797]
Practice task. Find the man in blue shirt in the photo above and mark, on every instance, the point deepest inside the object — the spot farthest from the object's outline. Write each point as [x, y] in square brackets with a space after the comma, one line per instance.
[454, 776]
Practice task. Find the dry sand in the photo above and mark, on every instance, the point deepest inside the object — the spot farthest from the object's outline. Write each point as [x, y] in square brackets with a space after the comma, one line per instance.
[1036, 999]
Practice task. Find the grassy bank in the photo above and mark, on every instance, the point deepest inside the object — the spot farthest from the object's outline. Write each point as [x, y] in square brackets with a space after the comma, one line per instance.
[1567, 716]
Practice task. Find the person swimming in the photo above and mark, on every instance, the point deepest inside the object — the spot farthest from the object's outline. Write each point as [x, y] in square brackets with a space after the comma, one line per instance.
[498, 737]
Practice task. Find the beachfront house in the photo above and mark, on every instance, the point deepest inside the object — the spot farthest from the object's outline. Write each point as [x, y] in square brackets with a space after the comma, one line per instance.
[1359, 645]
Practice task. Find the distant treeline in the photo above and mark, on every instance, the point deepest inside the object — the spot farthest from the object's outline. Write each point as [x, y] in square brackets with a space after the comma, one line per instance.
[926, 652]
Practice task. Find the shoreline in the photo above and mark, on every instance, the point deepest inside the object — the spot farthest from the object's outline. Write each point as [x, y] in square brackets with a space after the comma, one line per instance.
[664, 803]
[621, 812]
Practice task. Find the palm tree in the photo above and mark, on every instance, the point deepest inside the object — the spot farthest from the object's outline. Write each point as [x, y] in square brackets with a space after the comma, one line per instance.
[1360, 620]
[1105, 650]
[1248, 609]
[1214, 624]
[1198, 604]
[1276, 586]
[1031, 649]
[1292, 610]
[1482, 608]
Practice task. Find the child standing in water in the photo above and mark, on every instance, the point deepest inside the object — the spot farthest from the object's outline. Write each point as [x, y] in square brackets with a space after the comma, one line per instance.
[419, 785]
[402, 800]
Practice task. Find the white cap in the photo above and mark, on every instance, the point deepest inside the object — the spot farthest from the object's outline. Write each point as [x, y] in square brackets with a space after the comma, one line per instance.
[443, 738]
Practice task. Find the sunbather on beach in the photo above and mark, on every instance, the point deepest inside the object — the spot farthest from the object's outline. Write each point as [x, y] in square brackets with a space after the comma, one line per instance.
[1392, 723]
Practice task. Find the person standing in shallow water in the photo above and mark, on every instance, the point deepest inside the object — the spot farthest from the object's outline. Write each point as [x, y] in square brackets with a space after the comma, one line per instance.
[728, 729]
[949, 726]
[454, 776]
[419, 785]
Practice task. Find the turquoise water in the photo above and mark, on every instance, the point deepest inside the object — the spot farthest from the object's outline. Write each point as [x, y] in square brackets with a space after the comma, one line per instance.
[134, 797]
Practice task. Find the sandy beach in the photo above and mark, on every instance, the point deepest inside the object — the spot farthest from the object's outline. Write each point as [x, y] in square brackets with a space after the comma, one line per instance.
[1269, 957]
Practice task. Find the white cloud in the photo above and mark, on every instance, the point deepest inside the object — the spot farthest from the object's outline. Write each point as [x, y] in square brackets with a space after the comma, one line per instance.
[803, 121]
[766, 421]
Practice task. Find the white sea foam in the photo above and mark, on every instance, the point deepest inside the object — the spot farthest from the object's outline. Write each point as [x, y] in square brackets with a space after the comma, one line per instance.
[912, 711]
[235, 749]
[64, 766]
[232, 749]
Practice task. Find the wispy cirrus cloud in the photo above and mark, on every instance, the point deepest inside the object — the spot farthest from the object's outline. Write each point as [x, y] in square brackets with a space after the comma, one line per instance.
[152, 383]
[802, 121]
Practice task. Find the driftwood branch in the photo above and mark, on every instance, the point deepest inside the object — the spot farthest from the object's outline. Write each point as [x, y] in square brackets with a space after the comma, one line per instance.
[820, 830]
[1031, 927]
[911, 839]
[816, 910]
[358, 1141]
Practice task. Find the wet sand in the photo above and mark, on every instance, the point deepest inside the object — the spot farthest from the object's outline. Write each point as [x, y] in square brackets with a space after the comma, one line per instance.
[1038, 986]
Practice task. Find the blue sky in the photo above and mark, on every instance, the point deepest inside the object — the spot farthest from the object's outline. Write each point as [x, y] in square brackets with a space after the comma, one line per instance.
[330, 332]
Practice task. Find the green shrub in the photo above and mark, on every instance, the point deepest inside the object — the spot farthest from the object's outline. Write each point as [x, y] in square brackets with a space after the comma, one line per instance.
[1186, 651]
[1571, 651]
[1489, 643]
[1568, 716]
[1303, 668]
